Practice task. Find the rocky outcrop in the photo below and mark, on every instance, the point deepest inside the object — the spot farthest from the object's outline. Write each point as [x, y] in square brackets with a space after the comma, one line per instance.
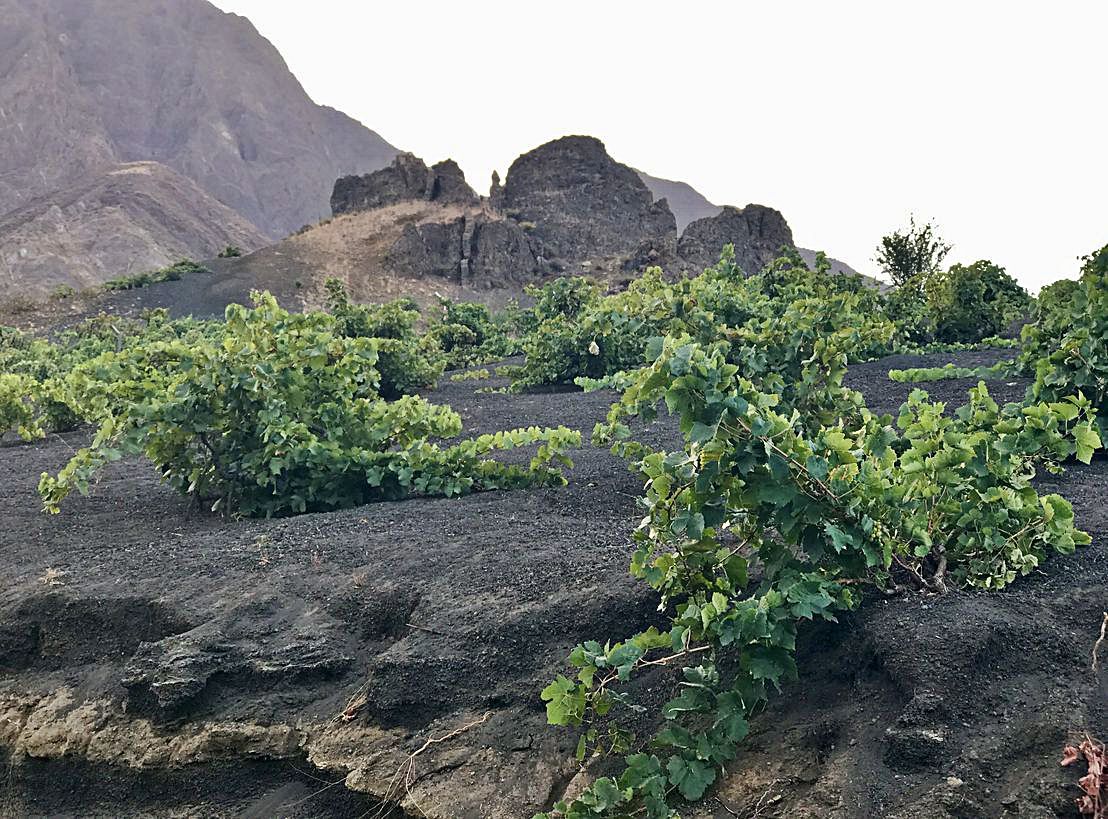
[757, 232]
[88, 84]
[473, 251]
[449, 185]
[687, 203]
[500, 255]
[431, 249]
[496, 192]
[580, 204]
[407, 179]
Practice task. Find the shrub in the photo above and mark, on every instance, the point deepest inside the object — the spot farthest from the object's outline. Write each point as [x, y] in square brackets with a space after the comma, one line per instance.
[971, 302]
[17, 411]
[230, 252]
[590, 338]
[767, 518]
[1050, 319]
[62, 292]
[406, 361]
[1074, 341]
[468, 335]
[566, 296]
[166, 274]
[962, 305]
[280, 414]
[912, 255]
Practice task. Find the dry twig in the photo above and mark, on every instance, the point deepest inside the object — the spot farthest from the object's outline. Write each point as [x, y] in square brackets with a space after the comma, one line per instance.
[1099, 643]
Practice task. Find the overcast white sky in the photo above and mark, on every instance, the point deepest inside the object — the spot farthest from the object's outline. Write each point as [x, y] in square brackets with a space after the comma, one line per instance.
[990, 117]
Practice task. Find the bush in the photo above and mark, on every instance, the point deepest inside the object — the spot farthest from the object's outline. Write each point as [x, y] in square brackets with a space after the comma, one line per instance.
[971, 302]
[62, 292]
[567, 296]
[962, 305]
[583, 336]
[280, 414]
[1073, 338]
[166, 274]
[769, 516]
[230, 252]
[17, 411]
[406, 361]
[468, 335]
[68, 381]
[1050, 319]
[912, 255]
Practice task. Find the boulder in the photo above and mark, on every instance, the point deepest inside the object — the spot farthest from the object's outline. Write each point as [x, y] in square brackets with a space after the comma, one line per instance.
[580, 204]
[757, 232]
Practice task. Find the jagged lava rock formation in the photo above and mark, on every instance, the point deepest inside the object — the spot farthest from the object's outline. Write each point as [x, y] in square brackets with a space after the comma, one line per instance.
[565, 207]
[407, 179]
[689, 205]
[582, 203]
[757, 232]
[478, 249]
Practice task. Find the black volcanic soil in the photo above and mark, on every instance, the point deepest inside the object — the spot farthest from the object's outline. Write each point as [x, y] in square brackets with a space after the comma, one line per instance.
[158, 661]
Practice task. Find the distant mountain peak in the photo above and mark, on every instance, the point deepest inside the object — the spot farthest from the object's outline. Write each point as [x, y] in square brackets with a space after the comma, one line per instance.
[87, 86]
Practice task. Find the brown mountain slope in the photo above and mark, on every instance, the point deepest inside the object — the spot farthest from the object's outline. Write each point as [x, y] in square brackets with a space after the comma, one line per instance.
[353, 247]
[85, 84]
[132, 218]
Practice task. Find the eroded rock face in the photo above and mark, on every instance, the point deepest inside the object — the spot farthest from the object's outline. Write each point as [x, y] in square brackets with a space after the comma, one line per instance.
[757, 232]
[581, 203]
[165, 677]
[477, 251]
[407, 178]
[431, 249]
[133, 217]
[94, 83]
[500, 254]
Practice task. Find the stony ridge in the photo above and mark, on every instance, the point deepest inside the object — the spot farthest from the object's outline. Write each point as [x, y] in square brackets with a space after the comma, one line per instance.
[565, 207]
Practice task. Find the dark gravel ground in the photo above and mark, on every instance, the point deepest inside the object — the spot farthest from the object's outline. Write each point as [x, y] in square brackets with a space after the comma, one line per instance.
[445, 608]
[884, 395]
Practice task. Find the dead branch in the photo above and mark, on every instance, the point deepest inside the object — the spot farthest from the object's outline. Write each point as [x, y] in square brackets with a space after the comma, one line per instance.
[1099, 643]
